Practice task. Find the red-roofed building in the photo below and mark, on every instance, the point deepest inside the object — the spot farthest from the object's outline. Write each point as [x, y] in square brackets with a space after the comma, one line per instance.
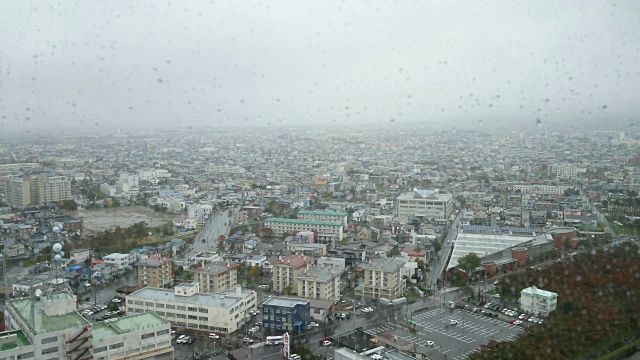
[286, 269]
[414, 255]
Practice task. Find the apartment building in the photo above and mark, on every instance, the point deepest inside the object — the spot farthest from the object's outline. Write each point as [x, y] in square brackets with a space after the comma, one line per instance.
[187, 308]
[323, 215]
[55, 330]
[155, 271]
[286, 314]
[318, 283]
[326, 230]
[36, 190]
[120, 261]
[382, 278]
[286, 269]
[79, 255]
[541, 189]
[217, 276]
[428, 203]
[537, 301]
[108, 190]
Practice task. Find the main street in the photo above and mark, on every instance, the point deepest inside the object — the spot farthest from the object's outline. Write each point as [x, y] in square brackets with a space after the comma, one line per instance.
[206, 240]
[441, 259]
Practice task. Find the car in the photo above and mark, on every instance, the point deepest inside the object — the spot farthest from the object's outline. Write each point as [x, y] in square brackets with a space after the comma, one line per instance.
[295, 357]
[103, 307]
[88, 298]
[116, 301]
[533, 319]
[511, 321]
[487, 305]
[214, 336]
[247, 340]
[173, 332]
[521, 316]
[465, 299]
[263, 287]
[376, 357]
[313, 324]
[180, 339]
[517, 322]
[190, 340]
[430, 343]
[259, 323]
[343, 316]
[326, 343]
[467, 307]
[453, 322]
[540, 321]
[495, 282]
[498, 308]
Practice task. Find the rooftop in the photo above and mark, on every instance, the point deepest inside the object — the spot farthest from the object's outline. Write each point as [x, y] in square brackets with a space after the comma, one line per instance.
[483, 244]
[125, 324]
[21, 340]
[387, 265]
[307, 222]
[322, 213]
[534, 291]
[285, 302]
[43, 322]
[319, 274]
[222, 299]
[218, 267]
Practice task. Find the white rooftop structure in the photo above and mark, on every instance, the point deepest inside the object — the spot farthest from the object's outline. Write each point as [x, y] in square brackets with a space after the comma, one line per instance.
[483, 244]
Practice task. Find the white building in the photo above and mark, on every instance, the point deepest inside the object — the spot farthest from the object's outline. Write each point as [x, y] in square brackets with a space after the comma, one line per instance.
[132, 180]
[542, 189]
[121, 261]
[199, 212]
[57, 331]
[538, 302]
[79, 255]
[318, 283]
[323, 215]
[187, 308]
[332, 263]
[429, 203]
[108, 190]
[153, 175]
[327, 230]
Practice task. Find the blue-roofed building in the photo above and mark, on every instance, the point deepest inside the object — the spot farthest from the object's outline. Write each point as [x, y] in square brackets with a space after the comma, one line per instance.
[286, 314]
[75, 268]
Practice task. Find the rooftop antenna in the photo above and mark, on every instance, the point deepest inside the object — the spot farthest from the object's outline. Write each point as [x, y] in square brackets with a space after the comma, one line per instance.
[55, 281]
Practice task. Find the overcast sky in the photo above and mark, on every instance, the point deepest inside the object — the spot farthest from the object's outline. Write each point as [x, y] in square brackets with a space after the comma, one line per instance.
[196, 63]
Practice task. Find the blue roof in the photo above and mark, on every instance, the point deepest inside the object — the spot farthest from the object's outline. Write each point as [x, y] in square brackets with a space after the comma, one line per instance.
[481, 228]
[76, 267]
[496, 229]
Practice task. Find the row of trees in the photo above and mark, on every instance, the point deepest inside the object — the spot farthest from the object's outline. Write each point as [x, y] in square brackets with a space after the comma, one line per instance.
[597, 305]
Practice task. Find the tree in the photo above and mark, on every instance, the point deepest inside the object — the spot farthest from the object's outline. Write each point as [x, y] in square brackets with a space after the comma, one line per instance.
[69, 205]
[113, 306]
[469, 262]
[288, 289]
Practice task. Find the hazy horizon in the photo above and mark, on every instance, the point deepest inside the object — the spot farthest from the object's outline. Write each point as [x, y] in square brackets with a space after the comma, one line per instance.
[235, 64]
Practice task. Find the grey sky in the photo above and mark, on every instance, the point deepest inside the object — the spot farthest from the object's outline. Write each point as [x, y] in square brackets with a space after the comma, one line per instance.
[194, 63]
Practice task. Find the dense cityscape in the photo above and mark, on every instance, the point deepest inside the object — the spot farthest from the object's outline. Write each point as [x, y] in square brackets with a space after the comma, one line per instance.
[335, 180]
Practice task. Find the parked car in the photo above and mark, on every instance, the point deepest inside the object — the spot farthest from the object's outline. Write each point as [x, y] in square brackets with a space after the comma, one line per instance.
[465, 299]
[517, 322]
[326, 343]
[247, 340]
[430, 343]
[313, 324]
[453, 322]
[487, 305]
[116, 300]
[540, 321]
[180, 339]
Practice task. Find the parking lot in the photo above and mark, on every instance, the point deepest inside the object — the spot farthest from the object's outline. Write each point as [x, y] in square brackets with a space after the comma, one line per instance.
[454, 341]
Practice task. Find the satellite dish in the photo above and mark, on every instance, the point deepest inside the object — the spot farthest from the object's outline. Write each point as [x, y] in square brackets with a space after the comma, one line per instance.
[56, 229]
[61, 253]
[58, 257]
[38, 292]
[57, 247]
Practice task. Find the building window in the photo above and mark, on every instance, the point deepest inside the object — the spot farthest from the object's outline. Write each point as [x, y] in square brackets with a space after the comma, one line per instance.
[50, 350]
[171, 306]
[147, 336]
[182, 308]
[100, 349]
[170, 314]
[162, 332]
[192, 309]
[116, 346]
[161, 313]
[49, 340]
[159, 305]
[193, 317]
[138, 302]
[28, 355]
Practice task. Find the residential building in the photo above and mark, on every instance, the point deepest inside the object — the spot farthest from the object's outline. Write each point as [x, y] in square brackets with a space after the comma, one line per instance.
[285, 271]
[37, 190]
[332, 263]
[217, 276]
[541, 189]
[55, 330]
[326, 230]
[382, 278]
[120, 261]
[187, 308]
[286, 314]
[428, 203]
[537, 301]
[79, 255]
[155, 271]
[108, 190]
[318, 283]
[323, 215]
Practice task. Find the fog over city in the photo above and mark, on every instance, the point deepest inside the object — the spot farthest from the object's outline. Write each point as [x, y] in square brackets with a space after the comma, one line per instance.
[93, 64]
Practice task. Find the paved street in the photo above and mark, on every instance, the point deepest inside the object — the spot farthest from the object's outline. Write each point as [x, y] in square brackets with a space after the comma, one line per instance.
[440, 262]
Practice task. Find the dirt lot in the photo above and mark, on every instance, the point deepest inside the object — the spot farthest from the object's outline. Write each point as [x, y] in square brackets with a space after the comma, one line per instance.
[103, 219]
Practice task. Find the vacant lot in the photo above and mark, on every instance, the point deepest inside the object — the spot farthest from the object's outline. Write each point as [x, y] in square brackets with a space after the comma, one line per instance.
[124, 216]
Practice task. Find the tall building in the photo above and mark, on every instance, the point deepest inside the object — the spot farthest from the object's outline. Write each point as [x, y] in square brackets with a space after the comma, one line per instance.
[37, 190]
[383, 279]
[286, 269]
[186, 307]
[326, 230]
[323, 215]
[217, 276]
[155, 271]
[428, 203]
[319, 283]
[51, 328]
[285, 314]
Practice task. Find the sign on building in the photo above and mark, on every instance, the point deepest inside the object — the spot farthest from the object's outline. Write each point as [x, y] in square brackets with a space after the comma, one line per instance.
[286, 349]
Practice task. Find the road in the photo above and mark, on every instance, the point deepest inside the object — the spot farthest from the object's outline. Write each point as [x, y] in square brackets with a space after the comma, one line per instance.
[441, 260]
[218, 224]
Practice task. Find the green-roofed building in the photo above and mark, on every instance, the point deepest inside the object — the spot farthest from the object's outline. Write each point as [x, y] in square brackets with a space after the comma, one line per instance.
[49, 327]
[538, 302]
[326, 230]
[323, 215]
